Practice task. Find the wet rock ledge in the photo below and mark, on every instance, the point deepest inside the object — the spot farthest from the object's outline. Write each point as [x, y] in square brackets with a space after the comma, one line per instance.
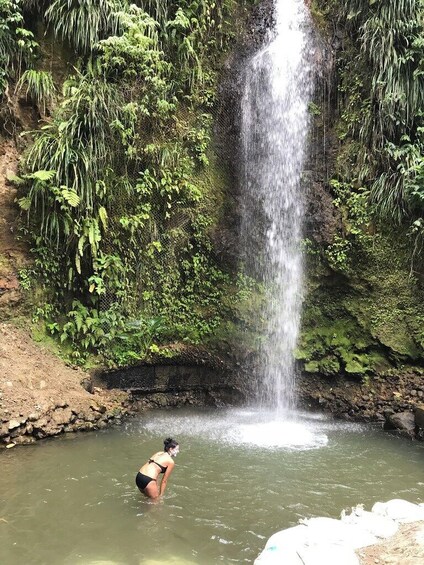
[396, 401]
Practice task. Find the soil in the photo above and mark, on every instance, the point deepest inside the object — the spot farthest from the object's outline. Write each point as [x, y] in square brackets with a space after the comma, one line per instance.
[12, 253]
[404, 548]
[41, 396]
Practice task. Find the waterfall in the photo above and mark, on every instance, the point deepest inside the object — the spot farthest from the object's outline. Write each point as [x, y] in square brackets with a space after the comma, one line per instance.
[278, 86]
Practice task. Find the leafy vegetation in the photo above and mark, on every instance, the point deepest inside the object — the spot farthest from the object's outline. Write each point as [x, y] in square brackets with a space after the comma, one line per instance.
[365, 282]
[17, 45]
[112, 187]
[39, 87]
[392, 49]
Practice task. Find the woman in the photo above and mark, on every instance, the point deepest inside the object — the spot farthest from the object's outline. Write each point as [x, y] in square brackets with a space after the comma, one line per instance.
[159, 463]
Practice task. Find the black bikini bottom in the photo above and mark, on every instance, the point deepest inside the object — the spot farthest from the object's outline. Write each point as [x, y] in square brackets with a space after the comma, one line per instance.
[142, 480]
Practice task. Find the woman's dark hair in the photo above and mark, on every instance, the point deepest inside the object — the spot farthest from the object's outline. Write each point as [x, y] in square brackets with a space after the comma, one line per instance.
[169, 443]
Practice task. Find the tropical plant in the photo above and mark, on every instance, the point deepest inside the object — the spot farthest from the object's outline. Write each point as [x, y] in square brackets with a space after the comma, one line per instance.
[39, 86]
[110, 185]
[392, 54]
[83, 22]
[17, 45]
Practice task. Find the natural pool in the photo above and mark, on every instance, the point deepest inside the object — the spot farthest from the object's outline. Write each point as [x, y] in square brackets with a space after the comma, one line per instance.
[240, 476]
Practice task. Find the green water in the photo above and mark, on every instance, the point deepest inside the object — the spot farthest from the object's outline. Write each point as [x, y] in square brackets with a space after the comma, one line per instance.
[240, 476]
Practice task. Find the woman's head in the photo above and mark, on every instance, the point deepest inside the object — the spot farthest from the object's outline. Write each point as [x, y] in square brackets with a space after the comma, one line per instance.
[171, 446]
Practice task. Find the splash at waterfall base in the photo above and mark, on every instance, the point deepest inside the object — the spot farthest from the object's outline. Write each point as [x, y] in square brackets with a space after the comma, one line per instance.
[357, 538]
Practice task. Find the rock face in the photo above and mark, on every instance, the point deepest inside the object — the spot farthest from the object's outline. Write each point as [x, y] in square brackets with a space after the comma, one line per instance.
[57, 419]
[176, 379]
[390, 400]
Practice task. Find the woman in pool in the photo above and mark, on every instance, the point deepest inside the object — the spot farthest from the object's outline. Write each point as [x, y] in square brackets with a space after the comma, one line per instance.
[159, 463]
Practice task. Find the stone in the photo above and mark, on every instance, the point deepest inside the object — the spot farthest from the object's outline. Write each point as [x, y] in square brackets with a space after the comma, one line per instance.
[40, 425]
[87, 384]
[403, 421]
[13, 424]
[61, 404]
[419, 416]
[99, 408]
[61, 416]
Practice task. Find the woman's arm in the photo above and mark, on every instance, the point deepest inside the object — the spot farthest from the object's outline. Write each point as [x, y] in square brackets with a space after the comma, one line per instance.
[165, 477]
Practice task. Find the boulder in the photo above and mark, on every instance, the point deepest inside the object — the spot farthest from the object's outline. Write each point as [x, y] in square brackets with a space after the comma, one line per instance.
[13, 424]
[419, 416]
[87, 384]
[402, 421]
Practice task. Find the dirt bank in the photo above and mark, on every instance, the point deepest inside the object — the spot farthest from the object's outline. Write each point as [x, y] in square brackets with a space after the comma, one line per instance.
[40, 396]
[12, 253]
[406, 547]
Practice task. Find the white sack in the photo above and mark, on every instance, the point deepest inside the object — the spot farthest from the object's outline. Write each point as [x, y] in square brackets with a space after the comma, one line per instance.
[379, 526]
[282, 545]
[336, 532]
[327, 555]
[400, 510]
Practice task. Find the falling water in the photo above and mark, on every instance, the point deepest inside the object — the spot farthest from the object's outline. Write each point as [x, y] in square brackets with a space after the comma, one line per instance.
[277, 90]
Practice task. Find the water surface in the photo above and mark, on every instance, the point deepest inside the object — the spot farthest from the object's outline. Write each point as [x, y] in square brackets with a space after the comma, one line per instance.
[240, 476]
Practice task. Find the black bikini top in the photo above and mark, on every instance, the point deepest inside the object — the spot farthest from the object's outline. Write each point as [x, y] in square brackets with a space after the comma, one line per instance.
[162, 468]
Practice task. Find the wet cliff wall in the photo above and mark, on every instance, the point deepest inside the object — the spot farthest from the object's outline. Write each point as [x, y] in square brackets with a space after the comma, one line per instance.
[363, 309]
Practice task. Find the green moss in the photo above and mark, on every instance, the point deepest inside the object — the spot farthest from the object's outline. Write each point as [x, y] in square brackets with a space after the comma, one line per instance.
[312, 367]
[370, 320]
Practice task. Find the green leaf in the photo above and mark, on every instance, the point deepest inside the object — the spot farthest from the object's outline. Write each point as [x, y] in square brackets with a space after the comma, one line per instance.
[71, 197]
[42, 175]
[81, 242]
[14, 179]
[103, 216]
[78, 263]
[25, 203]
